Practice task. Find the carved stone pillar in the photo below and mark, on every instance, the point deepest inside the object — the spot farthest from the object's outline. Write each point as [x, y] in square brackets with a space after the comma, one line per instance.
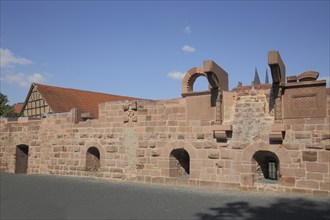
[218, 114]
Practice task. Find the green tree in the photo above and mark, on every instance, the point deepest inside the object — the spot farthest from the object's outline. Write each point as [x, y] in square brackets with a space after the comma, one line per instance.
[5, 109]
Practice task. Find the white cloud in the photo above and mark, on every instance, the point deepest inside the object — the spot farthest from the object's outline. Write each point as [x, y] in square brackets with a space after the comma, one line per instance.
[187, 29]
[187, 48]
[8, 59]
[176, 75]
[327, 78]
[23, 80]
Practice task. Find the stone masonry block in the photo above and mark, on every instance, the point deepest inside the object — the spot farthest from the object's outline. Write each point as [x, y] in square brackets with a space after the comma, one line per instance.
[200, 136]
[152, 144]
[155, 152]
[309, 156]
[325, 135]
[143, 144]
[313, 145]
[237, 145]
[303, 135]
[140, 152]
[277, 127]
[287, 181]
[213, 155]
[247, 179]
[311, 184]
[112, 149]
[324, 156]
[317, 167]
[291, 146]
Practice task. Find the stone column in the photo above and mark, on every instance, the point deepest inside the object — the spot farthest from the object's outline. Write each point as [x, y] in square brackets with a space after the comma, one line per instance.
[218, 116]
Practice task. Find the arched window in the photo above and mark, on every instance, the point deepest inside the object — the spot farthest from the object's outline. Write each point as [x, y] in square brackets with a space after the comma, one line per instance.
[93, 159]
[179, 163]
[266, 165]
[22, 156]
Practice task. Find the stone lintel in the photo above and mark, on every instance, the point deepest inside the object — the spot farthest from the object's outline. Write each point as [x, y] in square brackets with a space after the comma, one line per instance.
[222, 127]
[220, 131]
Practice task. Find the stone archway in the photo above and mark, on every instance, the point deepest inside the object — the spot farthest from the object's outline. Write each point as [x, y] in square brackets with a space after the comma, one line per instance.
[178, 153]
[179, 163]
[22, 157]
[89, 146]
[266, 165]
[92, 159]
[190, 78]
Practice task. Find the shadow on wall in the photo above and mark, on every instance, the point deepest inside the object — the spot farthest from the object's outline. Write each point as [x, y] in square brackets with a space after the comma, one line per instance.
[283, 209]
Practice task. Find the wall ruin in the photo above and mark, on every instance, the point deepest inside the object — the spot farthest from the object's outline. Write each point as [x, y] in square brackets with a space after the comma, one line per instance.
[158, 142]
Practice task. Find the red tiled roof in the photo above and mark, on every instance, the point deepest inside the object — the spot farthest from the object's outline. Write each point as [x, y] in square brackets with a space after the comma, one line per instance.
[64, 99]
[18, 107]
[328, 91]
[257, 86]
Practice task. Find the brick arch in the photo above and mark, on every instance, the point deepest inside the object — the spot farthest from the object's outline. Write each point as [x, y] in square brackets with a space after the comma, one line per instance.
[100, 149]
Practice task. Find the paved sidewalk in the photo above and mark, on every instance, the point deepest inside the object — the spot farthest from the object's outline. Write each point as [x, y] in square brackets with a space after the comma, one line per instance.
[58, 197]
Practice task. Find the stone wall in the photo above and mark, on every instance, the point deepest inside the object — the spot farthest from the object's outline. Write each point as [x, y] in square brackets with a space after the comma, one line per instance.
[135, 141]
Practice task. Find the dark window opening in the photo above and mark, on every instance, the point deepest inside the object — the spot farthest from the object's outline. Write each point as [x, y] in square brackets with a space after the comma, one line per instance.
[93, 159]
[266, 166]
[179, 163]
[22, 155]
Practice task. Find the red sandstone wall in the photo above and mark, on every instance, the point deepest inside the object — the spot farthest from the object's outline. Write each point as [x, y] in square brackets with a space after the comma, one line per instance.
[135, 141]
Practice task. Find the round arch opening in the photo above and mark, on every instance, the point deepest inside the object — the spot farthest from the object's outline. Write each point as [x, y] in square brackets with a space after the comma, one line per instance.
[93, 162]
[266, 166]
[179, 163]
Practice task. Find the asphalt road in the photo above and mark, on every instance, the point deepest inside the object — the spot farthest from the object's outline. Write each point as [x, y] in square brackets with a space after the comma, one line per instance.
[58, 197]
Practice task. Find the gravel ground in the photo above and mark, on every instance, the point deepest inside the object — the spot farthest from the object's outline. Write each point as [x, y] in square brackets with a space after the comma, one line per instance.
[63, 197]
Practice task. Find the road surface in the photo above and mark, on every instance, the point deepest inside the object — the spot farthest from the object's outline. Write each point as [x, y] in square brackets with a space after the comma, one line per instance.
[62, 197]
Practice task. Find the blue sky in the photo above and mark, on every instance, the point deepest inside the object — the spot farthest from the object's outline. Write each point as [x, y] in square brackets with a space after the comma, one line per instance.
[142, 48]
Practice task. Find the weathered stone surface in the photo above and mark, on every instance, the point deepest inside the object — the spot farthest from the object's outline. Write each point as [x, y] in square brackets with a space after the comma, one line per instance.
[303, 135]
[213, 155]
[155, 152]
[313, 145]
[247, 179]
[309, 156]
[287, 181]
[317, 167]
